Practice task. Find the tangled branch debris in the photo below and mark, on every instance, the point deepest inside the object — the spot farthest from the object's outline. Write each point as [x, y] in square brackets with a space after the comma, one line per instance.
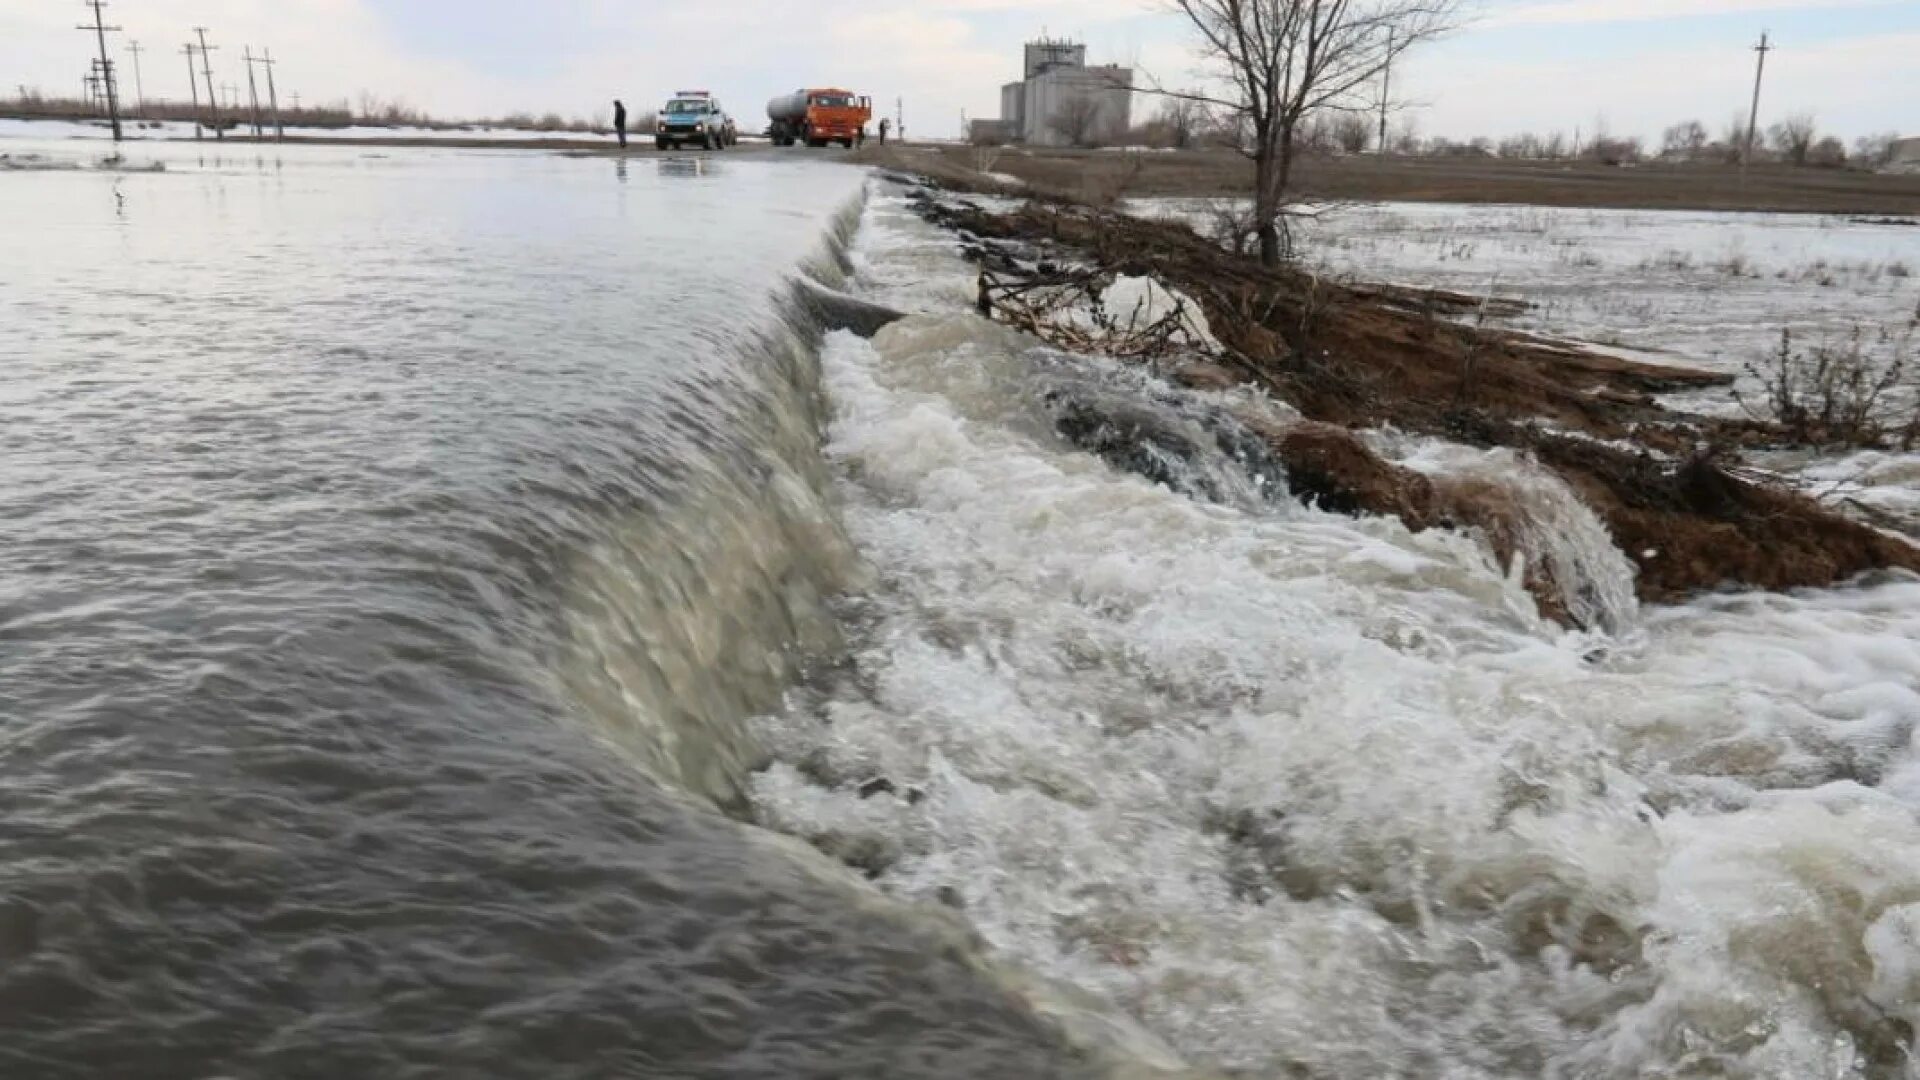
[1071, 310]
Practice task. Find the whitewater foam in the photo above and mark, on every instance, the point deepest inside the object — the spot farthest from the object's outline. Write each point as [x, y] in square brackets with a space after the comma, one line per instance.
[1315, 795]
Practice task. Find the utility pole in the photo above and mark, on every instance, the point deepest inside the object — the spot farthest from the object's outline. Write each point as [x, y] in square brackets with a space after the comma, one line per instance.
[1753, 121]
[273, 98]
[193, 87]
[296, 101]
[139, 87]
[900, 118]
[206, 69]
[253, 94]
[1386, 91]
[100, 30]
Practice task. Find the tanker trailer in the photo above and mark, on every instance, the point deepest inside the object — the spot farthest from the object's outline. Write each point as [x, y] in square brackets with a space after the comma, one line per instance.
[819, 117]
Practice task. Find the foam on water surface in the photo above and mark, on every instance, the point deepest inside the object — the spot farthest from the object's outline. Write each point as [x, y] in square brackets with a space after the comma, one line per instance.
[1316, 796]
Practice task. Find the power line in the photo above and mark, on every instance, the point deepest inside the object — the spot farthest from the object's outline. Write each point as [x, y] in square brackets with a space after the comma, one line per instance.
[193, 86]
[1753, 121]
[253, 93]
[139, 88]
[1386, 91]
[100, 31]
[96, 87]
[273, 97]
[206, 69]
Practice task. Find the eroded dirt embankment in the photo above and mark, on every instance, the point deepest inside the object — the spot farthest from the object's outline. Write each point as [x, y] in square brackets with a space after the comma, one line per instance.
[1670, 486]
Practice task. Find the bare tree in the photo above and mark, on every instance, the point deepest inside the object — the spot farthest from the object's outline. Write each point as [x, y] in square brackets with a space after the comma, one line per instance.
[1686, 139]
[1353, 132]
[1733, 140]
[1793, 137]
[1182, 120]
[1314, 135]
[1289, 60]
[1406, 136]
[1828, 153]
[1078, 120]
[1608, 150]
[1875, 151]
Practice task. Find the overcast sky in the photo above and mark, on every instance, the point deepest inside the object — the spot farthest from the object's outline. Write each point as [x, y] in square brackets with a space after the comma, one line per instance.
[1637, 65]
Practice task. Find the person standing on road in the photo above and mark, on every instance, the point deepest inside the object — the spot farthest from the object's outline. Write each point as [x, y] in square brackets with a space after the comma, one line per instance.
[885, 126]
[620, 122]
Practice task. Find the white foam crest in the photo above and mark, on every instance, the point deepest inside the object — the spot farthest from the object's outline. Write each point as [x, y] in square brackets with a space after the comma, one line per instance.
[1141, 302]
[1315, 796]
[1555, 529]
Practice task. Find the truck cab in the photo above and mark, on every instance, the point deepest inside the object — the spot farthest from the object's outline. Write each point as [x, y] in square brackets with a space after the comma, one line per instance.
[693, 117]
[818, 117]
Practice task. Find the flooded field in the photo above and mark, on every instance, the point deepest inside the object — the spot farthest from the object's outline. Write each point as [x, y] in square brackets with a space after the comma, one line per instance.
[1705, 289]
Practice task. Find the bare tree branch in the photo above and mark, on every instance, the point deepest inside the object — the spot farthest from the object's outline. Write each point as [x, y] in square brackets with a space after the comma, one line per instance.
[1288, 60]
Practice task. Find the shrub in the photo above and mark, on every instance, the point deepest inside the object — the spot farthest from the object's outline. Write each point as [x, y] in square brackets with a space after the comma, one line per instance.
[1794, 138]
[1615, 151]
[1685, 140]
[1828, 153]
[1834, 393]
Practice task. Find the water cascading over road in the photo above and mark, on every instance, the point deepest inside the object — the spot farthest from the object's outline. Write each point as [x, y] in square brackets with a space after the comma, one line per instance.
[436, 591]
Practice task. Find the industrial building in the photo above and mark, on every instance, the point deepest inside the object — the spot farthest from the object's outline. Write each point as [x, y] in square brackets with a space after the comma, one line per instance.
[1060, 101]
[1904, 156]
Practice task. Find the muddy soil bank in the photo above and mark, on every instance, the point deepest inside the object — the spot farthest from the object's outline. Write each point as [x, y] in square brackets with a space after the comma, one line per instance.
[1670, 486]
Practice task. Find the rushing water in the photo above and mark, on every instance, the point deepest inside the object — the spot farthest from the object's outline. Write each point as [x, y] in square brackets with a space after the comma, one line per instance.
[1318, 797]
[389, 548]
[425, 604]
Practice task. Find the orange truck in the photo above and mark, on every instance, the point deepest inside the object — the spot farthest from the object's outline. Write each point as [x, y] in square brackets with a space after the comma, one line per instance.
[819, 117]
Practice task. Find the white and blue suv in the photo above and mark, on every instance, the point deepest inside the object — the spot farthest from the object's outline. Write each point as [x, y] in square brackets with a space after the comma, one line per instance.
[693, 118]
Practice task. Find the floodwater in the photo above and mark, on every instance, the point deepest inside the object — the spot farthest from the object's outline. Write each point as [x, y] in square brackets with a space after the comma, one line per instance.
[1317, 797]
[456, 619]
[387, 547]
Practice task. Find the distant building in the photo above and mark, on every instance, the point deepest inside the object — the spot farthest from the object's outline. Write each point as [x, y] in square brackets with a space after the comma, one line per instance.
[1061, 101]
[989, 132]
[1047, 53]
[1904, 156]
